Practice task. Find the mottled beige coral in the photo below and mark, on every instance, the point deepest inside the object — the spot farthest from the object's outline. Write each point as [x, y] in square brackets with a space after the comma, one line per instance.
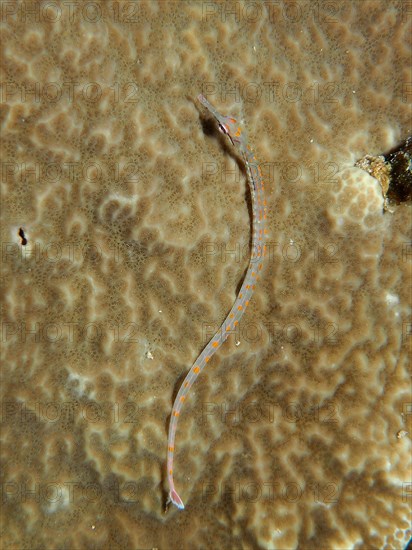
[138, 225]
[376, 167]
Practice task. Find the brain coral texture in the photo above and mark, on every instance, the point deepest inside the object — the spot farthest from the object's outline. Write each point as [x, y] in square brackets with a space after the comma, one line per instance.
[137, 220]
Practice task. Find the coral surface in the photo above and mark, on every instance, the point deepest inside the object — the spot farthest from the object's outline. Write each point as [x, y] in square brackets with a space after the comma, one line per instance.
[125, 236]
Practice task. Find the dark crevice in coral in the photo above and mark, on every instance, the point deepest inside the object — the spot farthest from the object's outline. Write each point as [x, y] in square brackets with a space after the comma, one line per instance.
[393, 170]
[400, 183]
[22, 236]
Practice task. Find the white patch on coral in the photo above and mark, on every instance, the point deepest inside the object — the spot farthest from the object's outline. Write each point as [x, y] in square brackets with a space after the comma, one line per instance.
[392, 299]
[80, 388]
[56, 497]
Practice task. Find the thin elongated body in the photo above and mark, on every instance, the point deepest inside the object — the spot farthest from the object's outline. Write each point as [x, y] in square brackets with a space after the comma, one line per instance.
[229, 127]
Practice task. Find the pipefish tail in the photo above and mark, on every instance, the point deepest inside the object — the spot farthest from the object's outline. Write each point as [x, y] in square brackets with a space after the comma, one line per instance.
[230, 127]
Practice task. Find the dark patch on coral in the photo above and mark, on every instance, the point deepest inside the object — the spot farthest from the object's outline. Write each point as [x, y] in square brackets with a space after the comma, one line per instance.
[400, 183]
[22, 236]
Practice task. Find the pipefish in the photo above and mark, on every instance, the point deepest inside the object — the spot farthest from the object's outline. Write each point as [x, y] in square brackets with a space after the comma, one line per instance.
[230, 127]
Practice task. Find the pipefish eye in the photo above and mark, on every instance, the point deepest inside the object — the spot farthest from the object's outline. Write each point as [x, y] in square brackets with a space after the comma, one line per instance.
[223, 129]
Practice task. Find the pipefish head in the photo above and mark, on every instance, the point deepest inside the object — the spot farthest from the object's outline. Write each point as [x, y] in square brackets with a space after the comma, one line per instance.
[227, 125]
